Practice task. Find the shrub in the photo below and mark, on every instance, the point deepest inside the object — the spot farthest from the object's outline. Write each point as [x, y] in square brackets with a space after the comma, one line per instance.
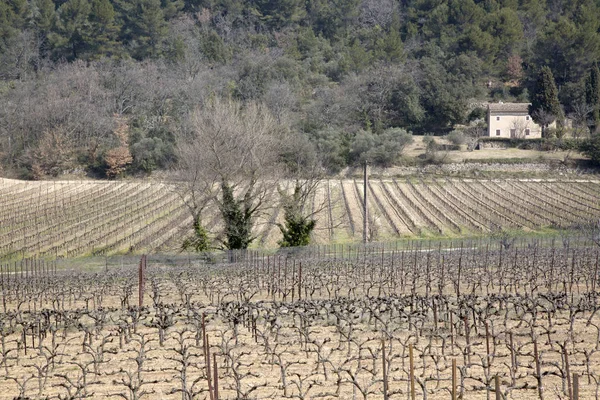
[427, 139]
[381, 150]
[478, 113]
[456, 137]
[332, 145]
[150, 153]
[591, 148]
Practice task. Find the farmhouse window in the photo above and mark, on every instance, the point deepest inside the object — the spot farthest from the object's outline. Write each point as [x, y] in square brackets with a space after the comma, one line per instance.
[527, 118]
[513, 133]
[527, 132]
[497, 118]
[497, 132]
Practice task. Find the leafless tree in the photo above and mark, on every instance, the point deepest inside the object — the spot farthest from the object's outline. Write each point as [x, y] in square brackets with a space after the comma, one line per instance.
[229, 156]
[518, 126]
[377, 12]
[545, 118]
[581, 119]
[475, 131]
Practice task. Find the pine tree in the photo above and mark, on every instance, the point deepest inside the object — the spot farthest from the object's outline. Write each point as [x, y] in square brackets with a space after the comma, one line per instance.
[592, 95]
[145, 27]
[72, 27]
[42, 20]
[103, 29]
[545, 107]
[389, 46]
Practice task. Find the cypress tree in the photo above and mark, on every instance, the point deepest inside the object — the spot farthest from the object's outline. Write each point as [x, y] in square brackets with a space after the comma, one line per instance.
[592, 95]
[545, 107]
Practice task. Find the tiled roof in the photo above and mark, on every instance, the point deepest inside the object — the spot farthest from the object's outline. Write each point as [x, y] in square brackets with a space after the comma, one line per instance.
[509, 107]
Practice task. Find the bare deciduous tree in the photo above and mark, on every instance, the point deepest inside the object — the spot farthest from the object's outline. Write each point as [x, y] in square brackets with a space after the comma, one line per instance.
[518, 128]
[581, 117]
[544, 118]
[229, 156]
[475, 131]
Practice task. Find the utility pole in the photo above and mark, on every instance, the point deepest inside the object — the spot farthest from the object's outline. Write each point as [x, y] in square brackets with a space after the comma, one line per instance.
[365, 219]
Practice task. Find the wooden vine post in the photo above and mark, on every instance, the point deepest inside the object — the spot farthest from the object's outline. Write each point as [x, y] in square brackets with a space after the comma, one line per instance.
[216, 378]
[568, 372]
[538, 370]
[497, 387]
[385, 377]
[365, 209]
[207, 363]
[141, 280]
[411, 372]
[300, 281]
[453, 379]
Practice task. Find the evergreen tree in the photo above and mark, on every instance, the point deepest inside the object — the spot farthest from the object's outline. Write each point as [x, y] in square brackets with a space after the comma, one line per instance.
[545, 107]
[42, 19]
[591, 148]
[6, 30]
[592, 95]
[199, 241]
[145, 27]
[237, 217]
[71, 28]
[103, 29]
[297, 227]
[12, 19]
[389, 46]
[279, 13]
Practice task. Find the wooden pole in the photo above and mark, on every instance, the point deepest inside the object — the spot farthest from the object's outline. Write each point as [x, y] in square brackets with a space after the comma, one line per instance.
[497, 387]
[365, 219]
[538, 370]
[208, 374]
[568, 371]
[141, 280]
[411, 372]
[487, 344]
[453, 379]
[216, 378]
[300, 281]
[385, 377]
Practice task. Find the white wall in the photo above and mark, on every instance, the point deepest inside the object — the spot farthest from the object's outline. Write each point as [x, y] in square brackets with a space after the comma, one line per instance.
[505, 122]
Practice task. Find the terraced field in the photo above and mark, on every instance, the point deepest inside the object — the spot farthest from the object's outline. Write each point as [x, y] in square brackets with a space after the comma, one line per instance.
[74, 218]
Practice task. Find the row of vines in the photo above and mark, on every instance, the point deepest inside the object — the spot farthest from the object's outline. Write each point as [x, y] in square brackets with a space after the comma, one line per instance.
[72, 218]
[518, 321]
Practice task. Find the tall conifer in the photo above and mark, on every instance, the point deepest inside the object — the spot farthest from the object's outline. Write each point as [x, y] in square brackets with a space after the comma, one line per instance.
[545, 107]
[592, 95]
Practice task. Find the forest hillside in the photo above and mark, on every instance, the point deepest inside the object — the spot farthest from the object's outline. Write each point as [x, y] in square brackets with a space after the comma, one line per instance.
[107, 86]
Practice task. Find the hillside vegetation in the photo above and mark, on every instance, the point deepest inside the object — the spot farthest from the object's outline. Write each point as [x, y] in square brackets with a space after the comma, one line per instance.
[75, 218]
[107, 86]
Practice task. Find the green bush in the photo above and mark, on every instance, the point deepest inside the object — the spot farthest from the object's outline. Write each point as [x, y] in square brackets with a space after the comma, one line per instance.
[542, 144]
[456, 137]
[591, 148]
[381, 150]
[150, 154]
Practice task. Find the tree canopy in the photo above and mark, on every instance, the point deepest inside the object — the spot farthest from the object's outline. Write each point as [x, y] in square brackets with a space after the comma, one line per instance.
[545, 107]
[332, 72]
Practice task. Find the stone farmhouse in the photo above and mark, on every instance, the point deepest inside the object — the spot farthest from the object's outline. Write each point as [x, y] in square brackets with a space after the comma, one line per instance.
[511, 120]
